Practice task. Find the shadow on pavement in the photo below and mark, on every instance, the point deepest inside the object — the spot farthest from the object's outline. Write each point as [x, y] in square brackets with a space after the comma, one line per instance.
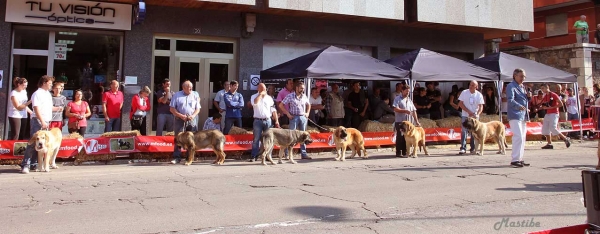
[557, 187]
[323, 213]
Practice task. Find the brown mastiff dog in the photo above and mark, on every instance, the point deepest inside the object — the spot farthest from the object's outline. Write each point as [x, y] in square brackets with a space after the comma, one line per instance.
[344, 137]
[484, 131]
[191, 142]
[414, 136]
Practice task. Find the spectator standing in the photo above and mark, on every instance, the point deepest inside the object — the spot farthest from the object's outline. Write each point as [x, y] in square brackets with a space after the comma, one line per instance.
[517, 116]
[504, 105]
[358, 103]
[562, 115]
[471, 103]
[164, 117]
[404, 109]
[60, 101]
[234, 102]
[334, 103]
[398, 92]
[263, 108]
[582, 34]
[585, 100]
[572, 110]
[451, 107]
[140, 106]
[491, 102]
[325, 113]
[185, 106]
[550, 125]
[423, 104]
[40, 119]
[316, 105]
[299, 108]
[435, 97]
[534, 106]
[213, 122]
[78, 110]
[219, 101]
[18, 109]
[112, 103]
[289, 88]
[375, 98]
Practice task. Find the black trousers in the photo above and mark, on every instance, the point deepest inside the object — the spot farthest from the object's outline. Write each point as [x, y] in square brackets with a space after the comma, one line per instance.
[142, 128]
[400, 141]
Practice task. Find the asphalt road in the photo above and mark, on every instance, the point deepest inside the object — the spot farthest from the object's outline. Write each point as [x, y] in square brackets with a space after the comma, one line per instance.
[441, 193]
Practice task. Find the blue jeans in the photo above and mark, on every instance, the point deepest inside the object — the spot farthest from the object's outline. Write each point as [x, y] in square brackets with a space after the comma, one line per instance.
[179, 127]
[30, 158]
[572, 116]
[463, 137]
[163, 120]
[229, 123]
[113, 124]
[258, 127]
[299, 123]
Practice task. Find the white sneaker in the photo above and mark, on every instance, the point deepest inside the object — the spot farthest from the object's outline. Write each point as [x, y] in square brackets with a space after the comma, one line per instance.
[175, 161]
[25, 170]
[462, 151]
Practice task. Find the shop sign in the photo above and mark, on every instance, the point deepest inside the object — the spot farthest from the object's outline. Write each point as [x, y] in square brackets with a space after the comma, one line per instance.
[71, 13]
[60, 51]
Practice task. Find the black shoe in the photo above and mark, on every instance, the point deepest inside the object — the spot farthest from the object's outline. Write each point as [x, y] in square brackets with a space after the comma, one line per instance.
[568, 142]
[516, 164]
[524, 164]
[33, 167]
[548, 147]
[402, 156]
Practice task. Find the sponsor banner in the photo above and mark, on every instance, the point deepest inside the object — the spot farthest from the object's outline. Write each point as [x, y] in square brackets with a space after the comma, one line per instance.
[148, 144]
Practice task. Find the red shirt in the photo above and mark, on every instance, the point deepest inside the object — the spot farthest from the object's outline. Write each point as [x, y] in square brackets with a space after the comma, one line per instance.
[113, 103]
[552, 99]
[136, 105]
[78, 109]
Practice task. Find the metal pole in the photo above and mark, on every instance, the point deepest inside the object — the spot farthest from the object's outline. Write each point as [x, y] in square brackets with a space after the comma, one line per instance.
[576, 89]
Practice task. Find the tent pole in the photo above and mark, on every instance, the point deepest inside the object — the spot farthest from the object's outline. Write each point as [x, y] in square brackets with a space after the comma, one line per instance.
[308, 86]
[576, 90]
[499, 87]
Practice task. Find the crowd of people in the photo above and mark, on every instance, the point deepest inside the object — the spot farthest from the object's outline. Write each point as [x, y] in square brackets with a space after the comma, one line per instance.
[178, 111]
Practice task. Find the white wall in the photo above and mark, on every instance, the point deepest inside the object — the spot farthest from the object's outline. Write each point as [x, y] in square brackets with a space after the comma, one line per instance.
[387, 9]
[502, 14]
[277, 52]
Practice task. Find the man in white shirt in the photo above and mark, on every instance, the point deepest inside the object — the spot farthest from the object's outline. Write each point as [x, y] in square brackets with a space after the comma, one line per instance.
[263, 108]
[219, 102]
[471, 101]
[405, 110]
[316, 105]
[40, 119]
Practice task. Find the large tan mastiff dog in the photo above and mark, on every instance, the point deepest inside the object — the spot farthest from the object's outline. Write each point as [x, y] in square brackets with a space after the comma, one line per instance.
[483, 131]
[191, 142]
[344, 137]
[47, 144]
[414, 136]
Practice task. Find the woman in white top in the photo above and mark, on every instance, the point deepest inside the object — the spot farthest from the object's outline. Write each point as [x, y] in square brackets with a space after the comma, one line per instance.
[18, 110]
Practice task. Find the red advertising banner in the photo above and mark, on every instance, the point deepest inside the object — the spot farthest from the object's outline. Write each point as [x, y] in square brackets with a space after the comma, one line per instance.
[147, 144]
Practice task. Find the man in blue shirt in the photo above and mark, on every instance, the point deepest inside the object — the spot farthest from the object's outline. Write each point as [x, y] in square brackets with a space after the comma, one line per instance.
[234, 102]
[517, 116]
[185, 106]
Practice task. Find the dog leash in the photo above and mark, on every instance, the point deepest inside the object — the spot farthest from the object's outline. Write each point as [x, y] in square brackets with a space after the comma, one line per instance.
[318, 126]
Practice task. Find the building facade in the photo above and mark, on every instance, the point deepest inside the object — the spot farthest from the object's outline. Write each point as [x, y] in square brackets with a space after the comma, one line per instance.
[207, 42]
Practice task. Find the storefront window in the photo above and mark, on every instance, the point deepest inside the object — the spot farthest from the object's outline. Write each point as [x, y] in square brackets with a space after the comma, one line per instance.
[92, 61]
[31, 39]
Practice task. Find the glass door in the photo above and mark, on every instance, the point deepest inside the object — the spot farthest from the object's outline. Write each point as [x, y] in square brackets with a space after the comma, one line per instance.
[30, 67]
